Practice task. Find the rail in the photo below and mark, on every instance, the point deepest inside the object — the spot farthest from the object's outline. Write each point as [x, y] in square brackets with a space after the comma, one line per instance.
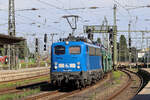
[122, 89]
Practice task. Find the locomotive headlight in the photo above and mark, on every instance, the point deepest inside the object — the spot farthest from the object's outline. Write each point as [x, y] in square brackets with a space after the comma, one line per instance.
[55, 67]
[78, 63]
[78, 67]
[55, 63]
[67, 42]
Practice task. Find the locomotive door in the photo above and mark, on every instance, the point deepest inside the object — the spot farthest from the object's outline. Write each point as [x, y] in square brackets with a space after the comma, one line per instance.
[87, 58]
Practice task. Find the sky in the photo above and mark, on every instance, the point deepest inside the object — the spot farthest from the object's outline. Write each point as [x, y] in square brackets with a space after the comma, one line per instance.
[48, 18]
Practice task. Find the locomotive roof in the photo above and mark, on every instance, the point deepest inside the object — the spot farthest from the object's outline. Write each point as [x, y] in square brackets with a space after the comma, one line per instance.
[78, 42]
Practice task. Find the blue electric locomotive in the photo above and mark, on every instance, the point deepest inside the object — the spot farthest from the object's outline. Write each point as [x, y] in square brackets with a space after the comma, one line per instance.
[77, 63]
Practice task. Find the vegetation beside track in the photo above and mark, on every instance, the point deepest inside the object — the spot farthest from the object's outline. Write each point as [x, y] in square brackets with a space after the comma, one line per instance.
[18, 96]
[134, 69]
[23, 82]
[116, 76]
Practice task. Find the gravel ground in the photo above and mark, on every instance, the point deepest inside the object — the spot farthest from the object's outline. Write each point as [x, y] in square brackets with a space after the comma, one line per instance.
[130, 92]
[104, 90]
[98, 92]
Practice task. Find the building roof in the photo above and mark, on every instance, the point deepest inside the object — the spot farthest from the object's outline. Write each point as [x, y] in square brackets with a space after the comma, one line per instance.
[6, 39]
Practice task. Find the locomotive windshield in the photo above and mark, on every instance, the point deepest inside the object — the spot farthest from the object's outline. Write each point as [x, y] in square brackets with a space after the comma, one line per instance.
[75, 50]
[59, 50]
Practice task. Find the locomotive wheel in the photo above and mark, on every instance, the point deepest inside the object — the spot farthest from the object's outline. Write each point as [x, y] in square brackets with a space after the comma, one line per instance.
[77, 84]
[94, 81]
[89, 81]
[83, 83]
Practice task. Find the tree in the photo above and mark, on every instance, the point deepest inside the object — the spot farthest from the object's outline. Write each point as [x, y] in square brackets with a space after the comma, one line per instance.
[133, 54]
[98, 40]
[2, 52]
[123, 50]
[23, 50]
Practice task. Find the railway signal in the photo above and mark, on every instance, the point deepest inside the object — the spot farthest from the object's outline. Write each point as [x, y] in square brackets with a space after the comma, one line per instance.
[45, 41]
[111, 37]
[44, 47]
[36, 42]
[36, 45]
[45, 38]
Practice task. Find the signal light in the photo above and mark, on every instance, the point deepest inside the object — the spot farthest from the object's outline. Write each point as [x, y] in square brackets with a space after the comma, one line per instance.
[130, 50]
[129, 42]
[36, 49]
[110, 30]
[45, 38]
[111, 42]
[36, 41]
[88, 31]
[90, 36]
[44, 47]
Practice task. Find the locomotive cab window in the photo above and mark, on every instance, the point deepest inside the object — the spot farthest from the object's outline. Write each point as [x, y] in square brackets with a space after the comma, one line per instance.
[59, 50]
[75, 50]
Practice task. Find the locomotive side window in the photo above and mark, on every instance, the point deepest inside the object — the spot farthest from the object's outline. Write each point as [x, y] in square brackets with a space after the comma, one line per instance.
[75, 50]
[59, 50]
[91, 51]
[98, 53]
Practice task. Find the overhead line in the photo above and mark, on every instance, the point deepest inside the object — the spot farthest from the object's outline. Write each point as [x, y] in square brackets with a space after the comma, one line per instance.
[51, 5]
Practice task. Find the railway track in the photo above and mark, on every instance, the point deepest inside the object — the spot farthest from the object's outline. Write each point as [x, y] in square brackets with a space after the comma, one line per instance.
[131, 76]
[59, 94]
[20, 88]
[33, 77]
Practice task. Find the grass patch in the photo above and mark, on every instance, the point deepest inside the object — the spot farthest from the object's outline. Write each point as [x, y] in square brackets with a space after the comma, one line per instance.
[20, 83]
[116, 76]
[134, 70]
[19, 96]
[93, 96]
[106, 84]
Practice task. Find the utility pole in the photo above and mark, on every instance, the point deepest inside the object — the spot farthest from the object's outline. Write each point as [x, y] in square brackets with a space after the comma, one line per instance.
[11, 19]
[107, 38]
[147, 52]
[142, 37]
[11, 32]
[115, 39]
[26, 55]
[129, 42]
[37, 51]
